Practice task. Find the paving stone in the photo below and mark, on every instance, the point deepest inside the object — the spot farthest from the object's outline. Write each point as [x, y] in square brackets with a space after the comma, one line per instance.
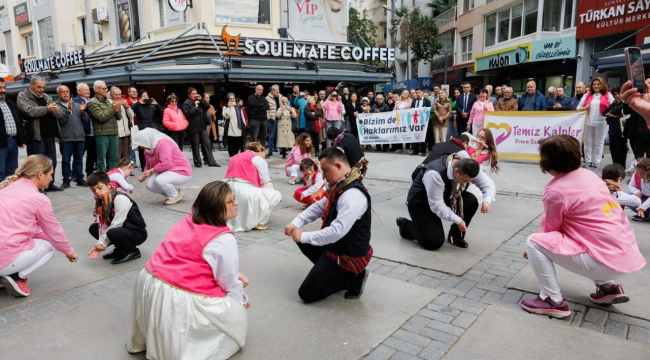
[481, 266]
[10, 315]
[10, 324]
[438, 335]
[497, 261]
[481, 279]
[434, 315]
[465, 308]
[639, 334]
[434, 351]
[413, 272]
[618, 317]
[474, 272]
[449, 290]
[498, 289]
[383, 270]
[596, 316]
[491, 298]
[35, 313]
[444, 327]
[510, 249]
[401, 269]
[489, 276]
[444, 299]
[472, 303]
[465, 285]
[464, 320]
[443, 309]
[387, 262]
[413, 338]
[400, 277]
[404, 356]
[433, 283]
[581, 308]
[500, 281]
[62, 297]
[53, 307]
[102, 291]
[421, 279]
[616, 328]
[475, 294]
[593, 326]
[511, 297]
[402, 346]
[502, 272]
[577, 318]
[34, 303]
[416, 324]
[517, 266]
[381, 353]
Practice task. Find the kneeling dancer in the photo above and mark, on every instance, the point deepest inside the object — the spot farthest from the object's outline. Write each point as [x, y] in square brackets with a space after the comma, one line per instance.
[341, 249]
[439, 193]
[583, 229]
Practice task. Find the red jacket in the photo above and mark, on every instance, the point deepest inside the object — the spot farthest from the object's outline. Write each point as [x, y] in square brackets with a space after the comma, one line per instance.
[173, 119]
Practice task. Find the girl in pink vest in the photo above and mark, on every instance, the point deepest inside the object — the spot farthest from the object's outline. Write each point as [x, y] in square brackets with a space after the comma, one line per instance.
[302, 150]
[595, 102]
[583, 229]
[639, 186]
[189, 300]
[248, 177]
[314, 188]
[119, 176]
[483, 149]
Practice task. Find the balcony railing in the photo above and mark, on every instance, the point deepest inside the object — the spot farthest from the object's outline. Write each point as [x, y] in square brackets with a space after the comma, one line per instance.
[446, 17]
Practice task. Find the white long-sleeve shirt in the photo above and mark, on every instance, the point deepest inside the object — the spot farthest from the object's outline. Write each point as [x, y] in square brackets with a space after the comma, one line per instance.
[313, 188]
[350, 206]
[223, 256]
[627, 200]
[486, 165]
[435, 188]
[121, 180]
[645, 191]
[122, 205]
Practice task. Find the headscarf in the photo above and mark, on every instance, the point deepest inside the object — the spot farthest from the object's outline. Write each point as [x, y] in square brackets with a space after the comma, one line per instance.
[148, 138]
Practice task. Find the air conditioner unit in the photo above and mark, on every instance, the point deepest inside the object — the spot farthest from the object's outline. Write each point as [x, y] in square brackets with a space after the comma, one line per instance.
[99, 15]
[67, 47]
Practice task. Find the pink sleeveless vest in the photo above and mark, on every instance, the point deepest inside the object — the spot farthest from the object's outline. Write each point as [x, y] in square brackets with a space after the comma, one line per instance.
[604, 101]
[241, 166]
[111, 172]
[480, 158]
[179, 262]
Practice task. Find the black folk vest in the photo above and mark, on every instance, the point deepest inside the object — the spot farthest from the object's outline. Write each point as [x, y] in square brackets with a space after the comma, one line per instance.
[357, 241]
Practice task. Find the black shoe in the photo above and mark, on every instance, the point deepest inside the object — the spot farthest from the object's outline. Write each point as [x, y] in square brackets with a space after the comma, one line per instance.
[111, 255]
[401, 222]
[65, 184]
[81, 182]
[461, 243]
[638, 218]
[357, 290]
[126, 258]
[53, 187]
[415, 153]
[424, 154]
[269, 154]
[214, 165]
[205, 162]
[284, 156]
[198, 166]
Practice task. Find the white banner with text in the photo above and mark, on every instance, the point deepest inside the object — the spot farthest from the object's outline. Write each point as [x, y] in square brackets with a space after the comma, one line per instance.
[394, 127]
[517, 133]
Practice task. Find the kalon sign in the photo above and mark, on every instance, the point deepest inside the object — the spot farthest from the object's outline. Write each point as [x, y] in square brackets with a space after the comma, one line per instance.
[603, 17]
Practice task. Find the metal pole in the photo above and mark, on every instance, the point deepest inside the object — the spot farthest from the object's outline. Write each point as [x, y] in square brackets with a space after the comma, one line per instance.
[212, 39]
[444, 81]
[119, 52]
[165, 44]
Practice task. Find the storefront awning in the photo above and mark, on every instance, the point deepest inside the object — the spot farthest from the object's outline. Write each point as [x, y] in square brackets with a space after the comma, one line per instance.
[262, 74]
[615, 59]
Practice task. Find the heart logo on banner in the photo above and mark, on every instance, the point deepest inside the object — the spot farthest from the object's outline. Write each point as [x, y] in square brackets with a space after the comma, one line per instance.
[500, 132]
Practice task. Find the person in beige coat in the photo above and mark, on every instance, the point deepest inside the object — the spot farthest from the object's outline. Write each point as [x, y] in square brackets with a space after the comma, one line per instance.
[123, 125]
[273, 99]
[285, 138]
[442, 113]
[507, 102]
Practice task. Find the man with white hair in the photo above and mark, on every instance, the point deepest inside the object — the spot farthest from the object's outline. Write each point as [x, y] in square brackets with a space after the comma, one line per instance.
[532, 100]
[493, 99]
[552, 91]
[38, 112]
[507, 102]
[71, 117]
[83, 97]
[104, 116]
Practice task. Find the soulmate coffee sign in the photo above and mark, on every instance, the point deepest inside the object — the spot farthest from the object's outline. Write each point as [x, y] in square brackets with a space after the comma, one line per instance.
[55, 62]
[604, 17]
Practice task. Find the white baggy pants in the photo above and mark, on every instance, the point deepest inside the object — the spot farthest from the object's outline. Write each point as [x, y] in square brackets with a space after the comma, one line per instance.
[166, 182]
[594, 143]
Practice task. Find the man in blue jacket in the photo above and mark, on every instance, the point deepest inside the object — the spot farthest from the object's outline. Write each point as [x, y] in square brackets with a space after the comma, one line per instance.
[532, 100]
[560, 102]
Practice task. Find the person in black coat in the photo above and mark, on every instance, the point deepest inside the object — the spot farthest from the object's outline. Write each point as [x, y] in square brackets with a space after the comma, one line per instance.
[257, 107]
[9, 141]
[380, 106]
[352, 109]
[148, 114]
[464, 104]
[193, 109]
[617, 142]
[419, 102]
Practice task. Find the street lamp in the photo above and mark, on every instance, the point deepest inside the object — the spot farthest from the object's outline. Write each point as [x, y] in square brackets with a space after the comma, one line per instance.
[445, 51]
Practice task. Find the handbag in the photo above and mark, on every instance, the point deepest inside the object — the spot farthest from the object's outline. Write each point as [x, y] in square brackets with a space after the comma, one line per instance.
[321, 124]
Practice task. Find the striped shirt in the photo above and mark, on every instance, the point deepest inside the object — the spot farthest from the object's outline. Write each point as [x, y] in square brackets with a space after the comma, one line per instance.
[10, 123]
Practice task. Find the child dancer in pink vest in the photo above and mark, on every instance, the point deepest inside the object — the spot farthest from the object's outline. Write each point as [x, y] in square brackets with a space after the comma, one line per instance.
[483, 149]
[314, 188]
[584, 230]
[120, 175]
[189, 300]
[639, 186]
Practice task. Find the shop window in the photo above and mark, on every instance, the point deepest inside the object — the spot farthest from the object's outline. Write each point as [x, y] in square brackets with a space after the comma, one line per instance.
[530, 16]
[552, 14]
[466, 47]
[515, 27]
[569, 15]
[47, 37]
[95, 29]
[128, 24]
[504, 24]
[468, 5]
[243, 11]
[168, 17]
[4, 13]
[3, 57]
[490, 30]
[29, 45]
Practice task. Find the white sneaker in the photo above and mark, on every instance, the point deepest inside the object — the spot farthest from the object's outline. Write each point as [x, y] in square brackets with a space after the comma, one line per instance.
[292, 181]
[630, 170]
[176, 199]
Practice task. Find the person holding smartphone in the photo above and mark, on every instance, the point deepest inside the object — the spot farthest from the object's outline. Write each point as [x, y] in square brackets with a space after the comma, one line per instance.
[235, 127]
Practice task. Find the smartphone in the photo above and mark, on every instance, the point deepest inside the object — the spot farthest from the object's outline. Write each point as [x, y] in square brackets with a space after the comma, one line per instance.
[147, 101]
[635, 71]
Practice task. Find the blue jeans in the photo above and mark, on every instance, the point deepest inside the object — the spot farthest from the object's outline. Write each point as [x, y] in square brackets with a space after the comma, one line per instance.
[8, 159]
[74, 150]
[451, 131]
[273, 129]
[132, 153]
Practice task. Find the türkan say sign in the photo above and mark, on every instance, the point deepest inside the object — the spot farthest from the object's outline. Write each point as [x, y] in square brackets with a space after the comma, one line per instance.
[603, 17]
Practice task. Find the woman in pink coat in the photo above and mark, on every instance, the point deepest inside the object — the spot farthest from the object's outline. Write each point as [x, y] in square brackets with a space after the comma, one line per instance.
[302, 150]
[174, 121]
[583, 229]
[478, 112]
[167, 167]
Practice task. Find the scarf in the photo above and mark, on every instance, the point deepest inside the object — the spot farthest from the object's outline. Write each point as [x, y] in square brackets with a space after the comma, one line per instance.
[337, 189]
[104, 209]
[457, 142]
[456, 191]
[613, 187]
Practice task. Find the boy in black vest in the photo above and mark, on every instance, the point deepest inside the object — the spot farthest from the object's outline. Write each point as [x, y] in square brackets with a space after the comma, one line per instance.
[350, 146]
[439, 193]
[341, 249]
[118, 221]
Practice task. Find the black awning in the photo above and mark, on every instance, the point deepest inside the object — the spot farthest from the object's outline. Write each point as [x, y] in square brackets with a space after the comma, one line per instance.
[266, 74]
[615, 59]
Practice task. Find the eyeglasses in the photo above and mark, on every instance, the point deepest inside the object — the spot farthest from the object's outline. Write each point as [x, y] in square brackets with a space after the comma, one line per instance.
[103, 88]
[173, 101]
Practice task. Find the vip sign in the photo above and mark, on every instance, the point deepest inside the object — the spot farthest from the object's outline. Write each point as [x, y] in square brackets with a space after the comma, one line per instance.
[178, 5]
[319, 20]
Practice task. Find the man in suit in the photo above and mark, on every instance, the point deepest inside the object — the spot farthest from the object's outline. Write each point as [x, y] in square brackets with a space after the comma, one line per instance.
[464, 105]
[420, 102]
[11, 134]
